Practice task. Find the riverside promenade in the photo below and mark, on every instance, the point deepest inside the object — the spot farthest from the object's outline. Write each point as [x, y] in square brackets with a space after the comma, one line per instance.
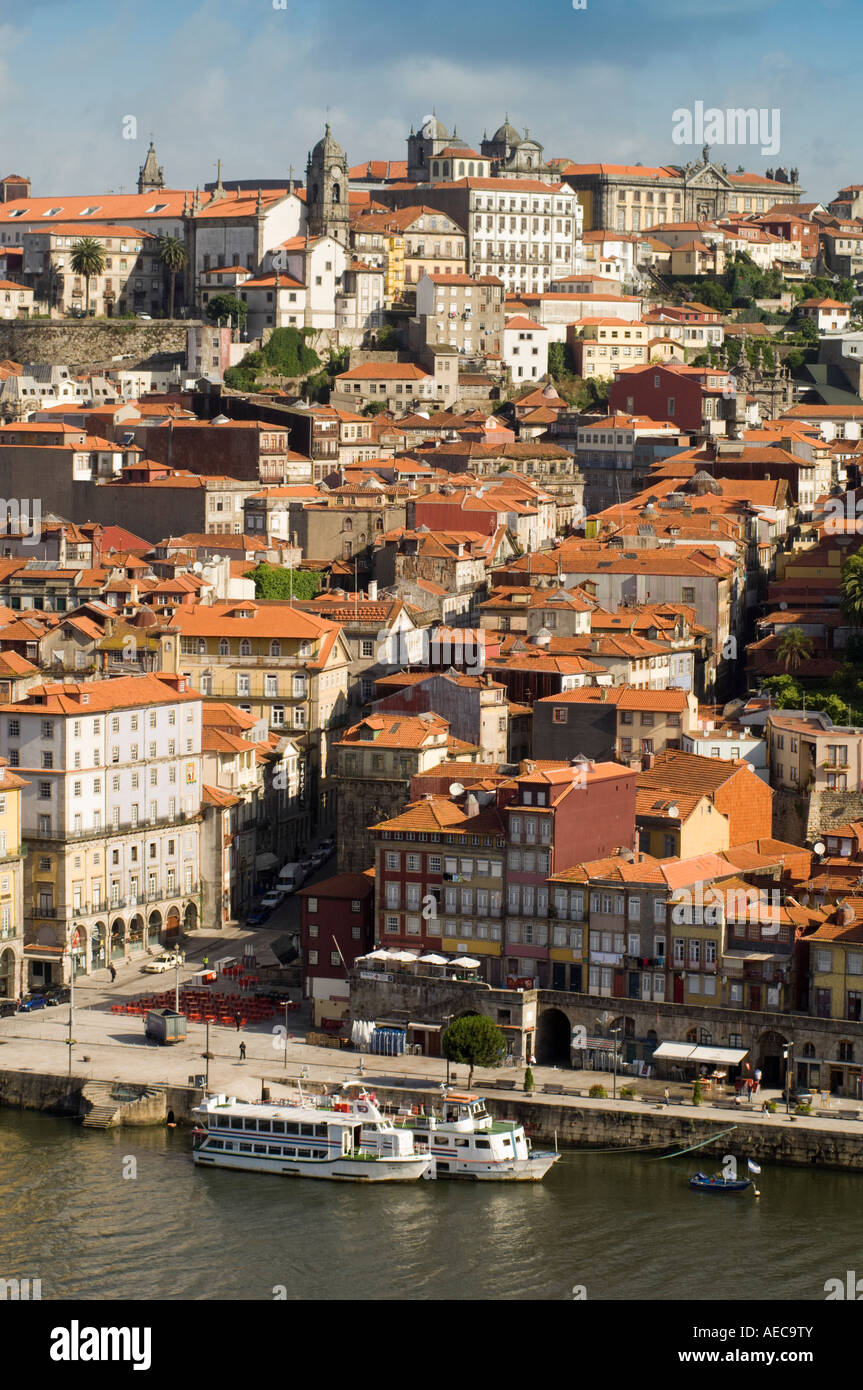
[113, 1048]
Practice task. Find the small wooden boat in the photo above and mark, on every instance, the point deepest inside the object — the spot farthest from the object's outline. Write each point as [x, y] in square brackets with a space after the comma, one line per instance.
[702, 1183]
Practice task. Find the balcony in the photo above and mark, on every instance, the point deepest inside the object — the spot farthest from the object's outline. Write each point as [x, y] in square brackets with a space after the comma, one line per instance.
[105, 832]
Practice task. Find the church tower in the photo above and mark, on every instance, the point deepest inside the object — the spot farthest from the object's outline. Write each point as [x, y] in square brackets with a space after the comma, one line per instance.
[327, 203]
[151, 175]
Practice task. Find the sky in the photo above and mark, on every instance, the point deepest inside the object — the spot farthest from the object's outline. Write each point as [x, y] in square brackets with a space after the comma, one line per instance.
[252, 82]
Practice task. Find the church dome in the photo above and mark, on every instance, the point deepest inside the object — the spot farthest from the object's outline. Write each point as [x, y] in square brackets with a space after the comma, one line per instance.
[506, 135]
[328, 149]
[433, 129]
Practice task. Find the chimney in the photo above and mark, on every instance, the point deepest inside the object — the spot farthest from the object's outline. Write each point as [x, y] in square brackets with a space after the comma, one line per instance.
[373, 589]
[471, 805]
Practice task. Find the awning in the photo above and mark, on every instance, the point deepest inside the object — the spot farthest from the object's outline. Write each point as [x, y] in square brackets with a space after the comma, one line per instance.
[756, 955]
[688, 1052]
[265, 861]
[427, 1027]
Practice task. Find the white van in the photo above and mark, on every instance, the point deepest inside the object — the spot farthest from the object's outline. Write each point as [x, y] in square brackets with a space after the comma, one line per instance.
[291, 877]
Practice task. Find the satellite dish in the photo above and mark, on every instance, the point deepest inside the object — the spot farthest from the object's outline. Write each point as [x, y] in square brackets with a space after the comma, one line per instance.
[783, 606]
[456, 789]
[819, 847]
[673, 812]
[198, 567]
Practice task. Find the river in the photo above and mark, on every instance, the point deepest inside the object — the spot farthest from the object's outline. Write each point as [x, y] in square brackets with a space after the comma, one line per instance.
[618, 1226]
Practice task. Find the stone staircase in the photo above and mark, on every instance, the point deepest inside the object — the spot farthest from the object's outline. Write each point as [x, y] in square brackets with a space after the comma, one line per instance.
[104, 1110]
[112, 1103]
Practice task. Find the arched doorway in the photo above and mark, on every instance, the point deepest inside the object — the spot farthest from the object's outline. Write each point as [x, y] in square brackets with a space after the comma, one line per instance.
[190, 919]
[118, 939]
[553, 1039]
[172, 924]
[8, 988]
[97, 947]
[136, 933]
[768, 1056]
[154, 929]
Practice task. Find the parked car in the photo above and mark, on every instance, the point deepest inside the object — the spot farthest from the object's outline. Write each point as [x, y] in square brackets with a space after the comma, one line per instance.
[327, 847]
[32, 1001]
[8, 1007]
[271, 900]
[308, 865]
[168, 960]
[59, 994]
[319, 858]
[258, 915]
[801, 1094]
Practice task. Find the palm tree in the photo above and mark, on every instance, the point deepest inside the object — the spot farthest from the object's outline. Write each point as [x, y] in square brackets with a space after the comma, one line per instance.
[794, 648]
[172, 254]
[852, 589]
[87, 259]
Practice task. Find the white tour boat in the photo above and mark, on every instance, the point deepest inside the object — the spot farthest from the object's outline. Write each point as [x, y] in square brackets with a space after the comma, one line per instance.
[466, 1142]
[314, 1137]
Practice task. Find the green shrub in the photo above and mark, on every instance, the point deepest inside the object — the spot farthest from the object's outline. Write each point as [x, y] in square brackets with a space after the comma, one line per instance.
[804, 1108]
[529, 1082]
[627, 1093]
[772, 1107]
[697, 1096]
[598, 1093]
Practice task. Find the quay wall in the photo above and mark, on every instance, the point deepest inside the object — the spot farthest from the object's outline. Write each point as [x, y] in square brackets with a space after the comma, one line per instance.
[597, 1125]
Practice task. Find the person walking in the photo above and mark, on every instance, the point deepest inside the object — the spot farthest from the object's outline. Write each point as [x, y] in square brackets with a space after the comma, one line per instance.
[237, 1020]
[757, 1080]
[667, 1096]
[242, 1052]
[112, 971]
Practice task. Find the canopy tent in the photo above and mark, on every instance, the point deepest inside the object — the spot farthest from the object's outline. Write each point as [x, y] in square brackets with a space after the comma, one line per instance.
[689, 1052]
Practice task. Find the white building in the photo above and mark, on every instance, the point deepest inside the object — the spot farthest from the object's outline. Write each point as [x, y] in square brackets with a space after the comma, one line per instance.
[110, 817]
[525, 348]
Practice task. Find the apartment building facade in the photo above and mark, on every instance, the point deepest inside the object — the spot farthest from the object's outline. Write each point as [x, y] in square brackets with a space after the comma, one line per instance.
[110, 817]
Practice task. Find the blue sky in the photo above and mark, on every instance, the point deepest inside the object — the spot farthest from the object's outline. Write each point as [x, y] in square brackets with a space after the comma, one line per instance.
[251, 83]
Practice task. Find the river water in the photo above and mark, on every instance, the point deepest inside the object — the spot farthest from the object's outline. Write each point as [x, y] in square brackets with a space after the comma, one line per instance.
[618, 1226]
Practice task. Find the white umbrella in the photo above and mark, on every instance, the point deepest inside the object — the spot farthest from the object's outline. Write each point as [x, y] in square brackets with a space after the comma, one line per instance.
[376, 955]
[432, 959]
[467, 962]
[404, 955]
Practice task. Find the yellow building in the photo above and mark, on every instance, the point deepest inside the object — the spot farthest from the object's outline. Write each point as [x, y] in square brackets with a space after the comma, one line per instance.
[12, 971]
[672, 825]
[275, 662]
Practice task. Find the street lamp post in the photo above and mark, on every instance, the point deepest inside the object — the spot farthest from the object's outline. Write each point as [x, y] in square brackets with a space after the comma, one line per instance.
[447, 1018]
[615, 1032]
[286, 1035]
[786, 1053]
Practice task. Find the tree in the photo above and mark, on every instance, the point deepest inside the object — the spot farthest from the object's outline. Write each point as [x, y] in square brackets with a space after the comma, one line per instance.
[794, 648]
[172, 254]
[557, 359]
[474, 1040]
[87, 259]
[272, 582]
[227, 306]
[851, 589]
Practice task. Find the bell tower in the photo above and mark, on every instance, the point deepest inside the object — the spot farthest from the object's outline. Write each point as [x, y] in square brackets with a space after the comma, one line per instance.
[327, 202]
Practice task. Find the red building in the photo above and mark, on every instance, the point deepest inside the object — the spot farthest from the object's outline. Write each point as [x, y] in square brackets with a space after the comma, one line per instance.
[338, 918]
[687, 396]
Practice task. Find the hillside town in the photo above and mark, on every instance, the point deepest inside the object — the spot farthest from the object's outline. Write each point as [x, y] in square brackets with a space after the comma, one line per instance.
[462, 551]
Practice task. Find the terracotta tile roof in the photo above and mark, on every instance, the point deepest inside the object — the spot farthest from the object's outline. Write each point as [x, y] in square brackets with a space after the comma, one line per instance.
[625, 697]
[385, 371]
[432, 813]
[121, 692]
[396, 731]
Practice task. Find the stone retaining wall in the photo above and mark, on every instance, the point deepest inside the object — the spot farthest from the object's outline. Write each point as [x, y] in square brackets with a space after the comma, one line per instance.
[82, 344]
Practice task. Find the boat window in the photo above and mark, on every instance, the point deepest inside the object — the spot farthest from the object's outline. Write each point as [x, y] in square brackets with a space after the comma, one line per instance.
[236, 1122]
[292, 1128]
[320, 1153]
[462, 1143]
[215, 1144]
[483, 1144]
[442, 1167]
[251, 1124]
[507, 1142]
[307, 1129]
[278, 1126]
[321, 1131]
[264, 1126]
[274, 1148]
[245, 1148]
[260, 1148]
[290, 1153]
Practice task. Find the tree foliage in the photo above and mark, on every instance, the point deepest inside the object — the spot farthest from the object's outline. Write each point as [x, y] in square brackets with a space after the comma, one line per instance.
[474, 1040]
[172, 254]
[851, 589]
[87, 259]
[794, 649]
[227, 306]
[276, 582]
